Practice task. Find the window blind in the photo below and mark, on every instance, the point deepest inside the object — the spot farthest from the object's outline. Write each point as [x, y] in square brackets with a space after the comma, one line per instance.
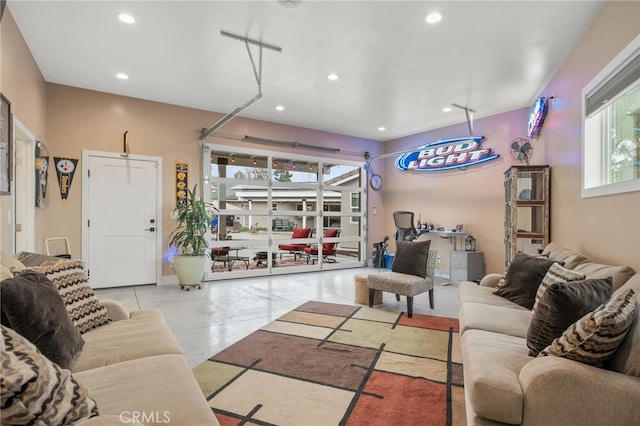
[621, 79]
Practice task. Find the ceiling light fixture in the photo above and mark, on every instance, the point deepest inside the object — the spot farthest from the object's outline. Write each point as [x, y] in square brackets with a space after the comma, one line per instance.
[280, 108]
[446, 109]
[382, 129]
[126, 18]
[122, 76]
[433, 18]
[333, 76]
[290, 4]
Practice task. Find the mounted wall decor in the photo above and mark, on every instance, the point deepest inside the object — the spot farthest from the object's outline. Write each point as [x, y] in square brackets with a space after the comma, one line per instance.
[446, 155]
[537, 116]
[42, 174]
[65, 170]
[6, 142]
[182, 180]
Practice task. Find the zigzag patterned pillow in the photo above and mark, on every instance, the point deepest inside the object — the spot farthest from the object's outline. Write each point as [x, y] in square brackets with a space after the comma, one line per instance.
[595, 337]
[556, 274]
[36, 391]
[79, 298]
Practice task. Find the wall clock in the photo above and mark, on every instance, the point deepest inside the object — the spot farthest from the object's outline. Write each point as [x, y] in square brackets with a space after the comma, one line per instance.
[375, 181]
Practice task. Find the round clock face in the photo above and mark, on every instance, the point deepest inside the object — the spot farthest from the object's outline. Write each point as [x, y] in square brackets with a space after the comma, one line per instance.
[375, 181]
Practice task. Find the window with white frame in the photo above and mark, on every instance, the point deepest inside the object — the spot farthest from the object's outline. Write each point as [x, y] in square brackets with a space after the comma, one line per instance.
[611, 111]
[355, 207]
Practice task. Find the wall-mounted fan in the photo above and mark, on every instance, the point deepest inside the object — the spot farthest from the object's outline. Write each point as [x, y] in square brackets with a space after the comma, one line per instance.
[522, 150]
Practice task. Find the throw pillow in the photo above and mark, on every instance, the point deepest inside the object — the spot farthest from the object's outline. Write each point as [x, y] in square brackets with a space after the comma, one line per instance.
[595, 337]
[523, 277]
[37, 391]
[32, 306]
[85, 309]
[556, 274]
[8, 264]
[561, 305]
[411, 257]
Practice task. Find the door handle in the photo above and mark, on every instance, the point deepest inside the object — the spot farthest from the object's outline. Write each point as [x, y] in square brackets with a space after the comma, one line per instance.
[152, 229]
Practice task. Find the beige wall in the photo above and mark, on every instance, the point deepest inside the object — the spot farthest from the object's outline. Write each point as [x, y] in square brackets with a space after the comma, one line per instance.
[607, 229]
[82, 119]
[473, 197]
[23, 84]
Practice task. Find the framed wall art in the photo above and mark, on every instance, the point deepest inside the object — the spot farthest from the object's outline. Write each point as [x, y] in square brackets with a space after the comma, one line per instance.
[5, 146]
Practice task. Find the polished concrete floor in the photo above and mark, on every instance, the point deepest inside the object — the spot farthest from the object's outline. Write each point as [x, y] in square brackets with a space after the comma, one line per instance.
[208, 320]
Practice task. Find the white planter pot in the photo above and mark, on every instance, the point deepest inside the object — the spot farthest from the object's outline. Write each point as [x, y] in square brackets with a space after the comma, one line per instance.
[189, 269]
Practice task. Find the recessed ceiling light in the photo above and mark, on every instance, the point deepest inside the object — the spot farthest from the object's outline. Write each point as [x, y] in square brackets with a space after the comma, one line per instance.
[333, 76]
[382, 129]
[290, 4]
[446, 109]
[122, 76]
[280, 108]
[126, 18]
[433, 17]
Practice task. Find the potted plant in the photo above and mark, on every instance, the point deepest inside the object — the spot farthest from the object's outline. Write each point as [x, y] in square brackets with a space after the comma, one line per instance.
[194, 218]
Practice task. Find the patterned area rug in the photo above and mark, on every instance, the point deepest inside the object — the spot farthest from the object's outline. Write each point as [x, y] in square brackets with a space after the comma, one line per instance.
[330, 364]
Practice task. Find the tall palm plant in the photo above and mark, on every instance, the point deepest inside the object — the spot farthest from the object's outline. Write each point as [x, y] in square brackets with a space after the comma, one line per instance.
[193, 220]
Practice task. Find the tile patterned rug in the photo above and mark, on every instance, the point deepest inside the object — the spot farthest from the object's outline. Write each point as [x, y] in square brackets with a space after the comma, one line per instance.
[330, 364]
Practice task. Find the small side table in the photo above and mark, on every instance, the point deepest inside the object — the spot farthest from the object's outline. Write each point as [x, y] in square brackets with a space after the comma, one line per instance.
[466, 266]
[362, 291]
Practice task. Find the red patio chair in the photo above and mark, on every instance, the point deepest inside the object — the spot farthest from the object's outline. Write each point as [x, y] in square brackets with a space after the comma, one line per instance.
[296, 249]
[328, 249]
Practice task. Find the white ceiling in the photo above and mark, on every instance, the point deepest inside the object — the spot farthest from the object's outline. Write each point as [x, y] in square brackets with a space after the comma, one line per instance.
[395, 70]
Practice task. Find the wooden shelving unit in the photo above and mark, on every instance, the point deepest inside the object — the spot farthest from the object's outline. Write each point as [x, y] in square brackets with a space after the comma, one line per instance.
[526, 216]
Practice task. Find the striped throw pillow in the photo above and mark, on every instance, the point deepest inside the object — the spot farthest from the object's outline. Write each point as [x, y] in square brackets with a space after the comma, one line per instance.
[81, 302]
[36, 391]
[556, 274]
[595, 337]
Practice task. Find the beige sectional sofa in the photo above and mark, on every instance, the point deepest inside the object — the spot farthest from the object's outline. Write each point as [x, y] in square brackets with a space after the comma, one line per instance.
[135, 371]
[505, 385]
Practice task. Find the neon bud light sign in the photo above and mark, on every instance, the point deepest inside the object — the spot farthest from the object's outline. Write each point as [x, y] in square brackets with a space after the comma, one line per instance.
[446, 155]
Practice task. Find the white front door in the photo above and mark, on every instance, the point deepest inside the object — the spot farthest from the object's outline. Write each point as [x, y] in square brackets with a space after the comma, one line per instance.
[122, 226]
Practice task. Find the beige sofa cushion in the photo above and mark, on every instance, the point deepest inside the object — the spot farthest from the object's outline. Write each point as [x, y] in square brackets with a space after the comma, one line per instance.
[569, 258]
[108, 421]
[146, 333]
[160, 387]
[497, 319]
[584, 265]
[7, 262]
[492, 364]
[627, 358]
[469, 292]
[620, 274]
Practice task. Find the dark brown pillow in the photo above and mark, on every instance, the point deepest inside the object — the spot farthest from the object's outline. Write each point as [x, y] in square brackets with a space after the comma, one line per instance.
[411, 257]
[562, 304]
[32, 306]
[523, 277]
